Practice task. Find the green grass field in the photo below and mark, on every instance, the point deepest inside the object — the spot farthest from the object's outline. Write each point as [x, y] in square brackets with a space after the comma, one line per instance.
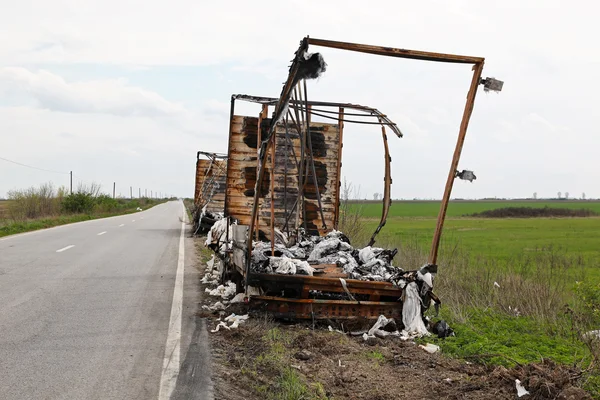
[499, 238]
[459, 208]
[541, 264]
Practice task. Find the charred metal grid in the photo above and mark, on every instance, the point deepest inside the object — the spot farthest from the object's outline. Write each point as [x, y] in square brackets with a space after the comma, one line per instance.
[282, 193]
[210, 181]
[301, 183]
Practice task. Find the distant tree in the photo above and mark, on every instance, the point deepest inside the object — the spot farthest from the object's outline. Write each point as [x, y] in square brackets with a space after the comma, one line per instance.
[375, 196]
[559, 194]
[567, 195]
[583, 196]
[535, 195]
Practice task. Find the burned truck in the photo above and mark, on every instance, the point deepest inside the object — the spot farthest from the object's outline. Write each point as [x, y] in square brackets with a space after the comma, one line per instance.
[209, 190]
[279, 240]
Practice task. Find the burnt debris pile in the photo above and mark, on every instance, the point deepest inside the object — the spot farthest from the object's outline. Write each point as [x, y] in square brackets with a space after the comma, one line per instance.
[367, 264]
[204, 219]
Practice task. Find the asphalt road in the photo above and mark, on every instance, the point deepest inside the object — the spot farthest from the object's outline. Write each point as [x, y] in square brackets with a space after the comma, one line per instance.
[85, 309]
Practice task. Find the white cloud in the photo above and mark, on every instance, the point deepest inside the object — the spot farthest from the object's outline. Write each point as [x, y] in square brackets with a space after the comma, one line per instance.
[543, 121]
[111, 96]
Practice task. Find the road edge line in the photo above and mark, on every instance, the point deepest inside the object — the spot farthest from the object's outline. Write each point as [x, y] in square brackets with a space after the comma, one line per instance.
[171, 360]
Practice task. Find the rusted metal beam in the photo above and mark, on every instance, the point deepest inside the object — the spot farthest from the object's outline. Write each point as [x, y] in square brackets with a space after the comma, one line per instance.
[312, 161]
[280, 108]
[385, 289]
[372, 112]
[325, 309]
[387, 201]
[211, 155]
[477, 70]
[339, 167]
[263, 114]
[229, 149]
[393, 52]
[273, 197]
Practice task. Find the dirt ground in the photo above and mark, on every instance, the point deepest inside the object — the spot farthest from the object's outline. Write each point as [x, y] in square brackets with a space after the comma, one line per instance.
[267, 359]
[350, 368]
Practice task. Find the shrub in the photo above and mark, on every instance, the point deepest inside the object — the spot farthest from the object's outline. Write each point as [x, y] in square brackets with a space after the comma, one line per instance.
[78, 203]
[33, 202]
[105, 203]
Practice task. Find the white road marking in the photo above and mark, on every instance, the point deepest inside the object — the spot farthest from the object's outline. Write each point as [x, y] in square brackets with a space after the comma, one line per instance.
[101, 233]
[65, 248]
[170, 370]
[121, 225]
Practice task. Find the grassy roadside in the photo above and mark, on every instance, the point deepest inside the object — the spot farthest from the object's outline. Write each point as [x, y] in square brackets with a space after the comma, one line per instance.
[13, 228]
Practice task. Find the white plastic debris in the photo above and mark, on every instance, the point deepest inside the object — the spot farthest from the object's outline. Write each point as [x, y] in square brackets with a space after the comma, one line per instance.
[217, 235]
[366, 254]
[427, 278]
[283, 265]
[138, 209]
[210, 263]
[592, 335]
[238, 298]
[496, 284]
[303, 267]
[378, 331]
[324, 248]
[411, 313]
[334, 330]
[236, 320]
[206, 279]
[224, 291]
[218, 306]
[521, 391]
[253, 291]
[381, 322]
[221, 324]
[430, 348]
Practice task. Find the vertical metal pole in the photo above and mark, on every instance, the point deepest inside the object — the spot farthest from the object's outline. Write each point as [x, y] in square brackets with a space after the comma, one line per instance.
[263, 115]
[71, 173]
[131, 192]
[336, 218]
[139, 193]
[273, 193]
[114, 188]
[285, 174]
[477, 68]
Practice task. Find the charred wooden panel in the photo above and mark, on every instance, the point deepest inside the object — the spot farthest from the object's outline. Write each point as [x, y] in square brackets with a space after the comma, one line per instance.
[241, 178]
[210, 184]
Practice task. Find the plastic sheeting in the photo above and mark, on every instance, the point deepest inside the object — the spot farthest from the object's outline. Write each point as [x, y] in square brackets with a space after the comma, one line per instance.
[223, 291]
[411, 312]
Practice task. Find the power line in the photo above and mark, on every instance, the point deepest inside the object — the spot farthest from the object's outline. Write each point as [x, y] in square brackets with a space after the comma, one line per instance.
[29, 166]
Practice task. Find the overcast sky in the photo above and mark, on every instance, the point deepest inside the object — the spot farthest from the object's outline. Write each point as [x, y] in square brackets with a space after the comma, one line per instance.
[128, 91]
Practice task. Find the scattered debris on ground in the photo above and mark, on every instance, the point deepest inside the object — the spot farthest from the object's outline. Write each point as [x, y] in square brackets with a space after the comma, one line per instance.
[258, 358]
[262, 357]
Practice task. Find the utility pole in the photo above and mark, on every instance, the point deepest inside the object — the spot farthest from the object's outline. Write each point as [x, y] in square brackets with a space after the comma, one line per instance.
[114, 188]
[71, 173]
[140, 193]
[130, 192]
